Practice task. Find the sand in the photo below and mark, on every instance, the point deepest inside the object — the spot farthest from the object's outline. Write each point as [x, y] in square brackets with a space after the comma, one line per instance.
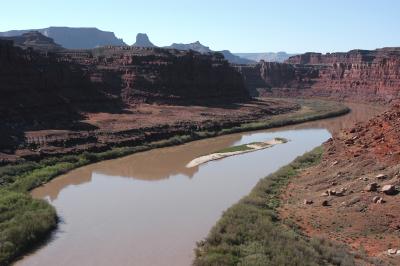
[220, 155]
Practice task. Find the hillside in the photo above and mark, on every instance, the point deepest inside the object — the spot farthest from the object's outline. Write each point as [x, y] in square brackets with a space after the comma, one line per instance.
[352, 195]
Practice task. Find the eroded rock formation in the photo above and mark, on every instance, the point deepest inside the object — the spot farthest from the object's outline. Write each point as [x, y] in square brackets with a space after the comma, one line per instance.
[358, 75]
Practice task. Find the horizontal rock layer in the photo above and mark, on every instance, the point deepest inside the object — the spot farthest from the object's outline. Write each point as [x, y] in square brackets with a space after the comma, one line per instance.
[358, 75]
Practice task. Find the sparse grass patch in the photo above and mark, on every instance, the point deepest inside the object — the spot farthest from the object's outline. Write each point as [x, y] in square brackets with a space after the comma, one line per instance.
[243, 147]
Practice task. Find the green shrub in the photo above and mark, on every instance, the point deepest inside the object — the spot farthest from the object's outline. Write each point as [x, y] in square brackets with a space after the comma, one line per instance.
[23, 222]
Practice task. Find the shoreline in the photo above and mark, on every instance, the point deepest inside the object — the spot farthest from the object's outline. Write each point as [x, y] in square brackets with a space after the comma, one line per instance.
[32, 175]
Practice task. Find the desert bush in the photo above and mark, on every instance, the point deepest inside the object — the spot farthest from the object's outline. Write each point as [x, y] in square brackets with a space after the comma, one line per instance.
[250, 232]
[23, 222]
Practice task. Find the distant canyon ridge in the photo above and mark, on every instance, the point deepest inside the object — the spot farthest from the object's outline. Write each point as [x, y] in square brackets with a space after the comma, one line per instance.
[354, 75]
[88, 38]
[357, 74]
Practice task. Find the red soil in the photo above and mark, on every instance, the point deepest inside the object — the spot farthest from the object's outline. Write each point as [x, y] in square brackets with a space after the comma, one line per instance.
[352, 160]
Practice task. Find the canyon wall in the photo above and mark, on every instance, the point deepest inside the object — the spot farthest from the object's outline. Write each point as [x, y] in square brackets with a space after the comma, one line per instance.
[166, 75]
[58, 89]
[358, 75]
[32, 81]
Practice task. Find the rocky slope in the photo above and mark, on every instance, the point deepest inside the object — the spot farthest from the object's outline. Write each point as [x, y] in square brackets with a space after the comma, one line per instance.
[352, 196]
[358, 75]
[74, 38]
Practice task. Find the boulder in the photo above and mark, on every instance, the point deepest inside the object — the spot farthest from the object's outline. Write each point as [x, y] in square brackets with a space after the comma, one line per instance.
[392, 251]
[389, 189]
[308, 202]
[378, 199]
[381, 176]
[325, 193]
[371, 187]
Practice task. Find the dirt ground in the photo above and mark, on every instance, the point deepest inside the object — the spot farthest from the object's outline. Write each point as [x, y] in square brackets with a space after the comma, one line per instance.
[337, 198]
[135, 124]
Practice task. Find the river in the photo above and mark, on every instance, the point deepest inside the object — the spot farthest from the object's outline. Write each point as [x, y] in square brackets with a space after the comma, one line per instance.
[149, 209]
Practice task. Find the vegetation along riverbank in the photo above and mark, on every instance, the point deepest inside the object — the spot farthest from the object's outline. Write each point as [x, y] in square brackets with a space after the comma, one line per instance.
[251, 232]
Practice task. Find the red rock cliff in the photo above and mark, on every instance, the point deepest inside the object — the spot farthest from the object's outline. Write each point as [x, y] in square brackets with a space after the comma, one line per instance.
[358, 75]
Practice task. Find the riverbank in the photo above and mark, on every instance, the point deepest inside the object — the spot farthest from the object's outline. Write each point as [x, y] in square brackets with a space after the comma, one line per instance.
[21, 178]
[251, 232]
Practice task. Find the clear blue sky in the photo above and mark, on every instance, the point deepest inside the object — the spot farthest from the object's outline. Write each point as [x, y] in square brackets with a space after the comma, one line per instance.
[237, 25]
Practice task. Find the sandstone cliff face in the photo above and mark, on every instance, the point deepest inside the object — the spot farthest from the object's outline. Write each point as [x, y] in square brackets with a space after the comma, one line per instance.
[161, 75]
[358, 75]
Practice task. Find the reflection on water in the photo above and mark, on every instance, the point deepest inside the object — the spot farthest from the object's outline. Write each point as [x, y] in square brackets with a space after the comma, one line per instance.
[152, 165]
[113, 215]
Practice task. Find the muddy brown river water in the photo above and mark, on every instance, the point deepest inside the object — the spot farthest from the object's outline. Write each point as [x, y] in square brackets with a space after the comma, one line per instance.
[149, 209]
